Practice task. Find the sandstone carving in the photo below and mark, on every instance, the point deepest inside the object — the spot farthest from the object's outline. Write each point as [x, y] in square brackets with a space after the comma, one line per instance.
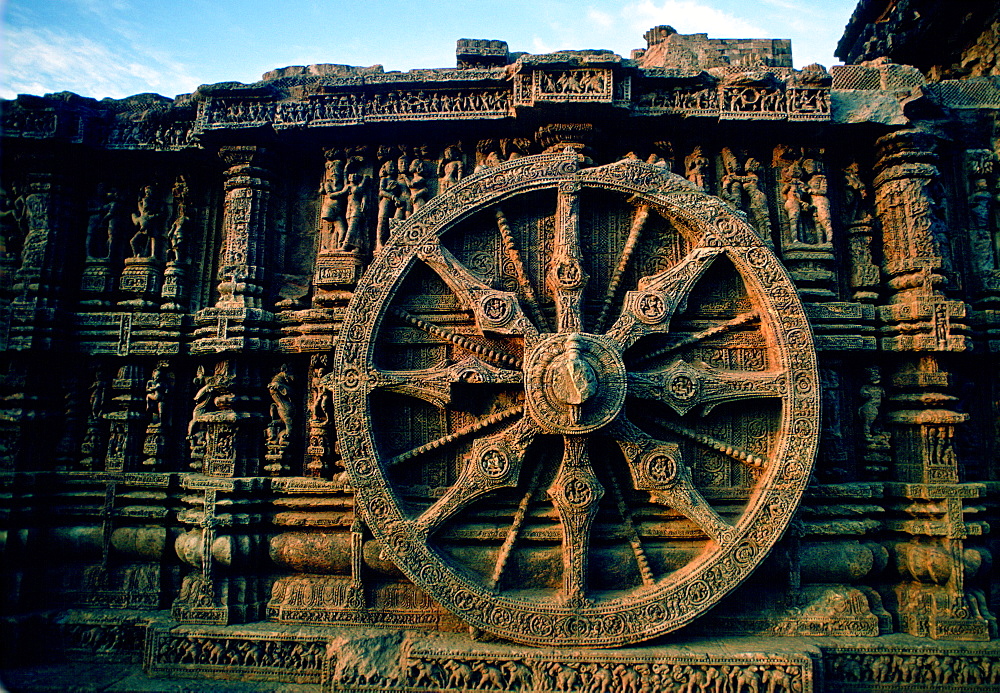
[542, 373]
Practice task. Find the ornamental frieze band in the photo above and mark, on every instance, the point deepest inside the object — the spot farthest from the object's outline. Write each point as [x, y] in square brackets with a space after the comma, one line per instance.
[563, 372]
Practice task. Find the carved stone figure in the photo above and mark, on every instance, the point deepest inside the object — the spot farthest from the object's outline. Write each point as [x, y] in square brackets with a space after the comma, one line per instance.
[417, 186]
[855, 196]
[157, 393]
[451, 168]
[696, 168]
[871, 406]
[985, 236]
[391, 202]
[282, 408]
[794, 195]
[760, 215]
[487, 154]
[333, 191]
[321, 402]
[177, 233]
[819, 201]
[358, 185]
[105, 227]
[148, 221]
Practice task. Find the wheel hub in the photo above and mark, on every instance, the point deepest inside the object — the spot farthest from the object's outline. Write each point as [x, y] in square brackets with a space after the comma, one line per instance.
[575, 383]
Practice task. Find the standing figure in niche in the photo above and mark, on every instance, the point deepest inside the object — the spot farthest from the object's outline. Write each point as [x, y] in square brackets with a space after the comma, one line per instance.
[282, 409]
[321, 406]
[157, 389]
[145, 242]
[696, 169]
[451, 169]
[11, 224]
[983, 237]
[855, 195]
[818, 198]
[757, 199]
[391, 204]
[732, 179]
[114, 219]
[417, 185]
[793, 191]
[871, 406]
[357, 206]
[333, 226]
[176, 235]
[98, 245]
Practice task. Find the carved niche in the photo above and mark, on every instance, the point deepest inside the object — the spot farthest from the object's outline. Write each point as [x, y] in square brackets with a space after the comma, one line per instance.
[577, 405]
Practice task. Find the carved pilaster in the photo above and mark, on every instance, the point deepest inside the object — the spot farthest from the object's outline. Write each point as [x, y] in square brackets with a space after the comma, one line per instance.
[238, 321]
[37, 284]
[126, 420]
[923, 325]
[919, 319]
[982, 193]
[225, 546]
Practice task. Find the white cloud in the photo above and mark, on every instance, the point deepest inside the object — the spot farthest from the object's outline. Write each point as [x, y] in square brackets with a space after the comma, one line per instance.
[38, 60]
[621, 29]
[602, 19]
[540, 46]
[690, 17]
[791, 5]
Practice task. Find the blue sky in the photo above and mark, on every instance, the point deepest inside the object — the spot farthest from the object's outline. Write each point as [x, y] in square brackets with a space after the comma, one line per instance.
[119, 47]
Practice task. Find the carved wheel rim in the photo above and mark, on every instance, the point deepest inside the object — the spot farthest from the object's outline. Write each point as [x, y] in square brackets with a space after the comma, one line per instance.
[570, 367]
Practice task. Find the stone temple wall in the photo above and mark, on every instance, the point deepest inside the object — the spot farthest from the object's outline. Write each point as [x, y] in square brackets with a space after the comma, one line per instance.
[560, 372]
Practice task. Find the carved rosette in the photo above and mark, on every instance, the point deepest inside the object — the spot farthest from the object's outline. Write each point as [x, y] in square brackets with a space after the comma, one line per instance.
[606, 418]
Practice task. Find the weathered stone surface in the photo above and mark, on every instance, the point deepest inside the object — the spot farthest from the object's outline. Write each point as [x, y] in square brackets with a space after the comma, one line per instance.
[596, 369]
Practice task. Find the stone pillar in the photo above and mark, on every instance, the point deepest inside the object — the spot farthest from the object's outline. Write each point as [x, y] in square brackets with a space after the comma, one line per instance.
[37, 281]
[225, 545]
[238, 321]
[32, 261]
[924, 328]
[126, 420]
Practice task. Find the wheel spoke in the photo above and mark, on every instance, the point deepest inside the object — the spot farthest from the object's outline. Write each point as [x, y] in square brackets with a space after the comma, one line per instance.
[633, 535]
[742, 456]
[658, 468]
[457, 339]
[490, 420]
[494, 463]
[516, 263]
[514, 530]
[691, 339]
[494, 311]
[434, 384]
[638, 223]
[566, 276]
[575, 494]
[685, 387]
[650, 309]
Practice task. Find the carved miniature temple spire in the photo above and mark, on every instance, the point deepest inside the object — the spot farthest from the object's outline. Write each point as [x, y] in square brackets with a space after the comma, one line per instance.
[244, 228]
[238, 321]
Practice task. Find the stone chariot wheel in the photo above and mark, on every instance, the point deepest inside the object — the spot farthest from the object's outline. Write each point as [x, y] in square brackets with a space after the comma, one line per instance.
[577, 405]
